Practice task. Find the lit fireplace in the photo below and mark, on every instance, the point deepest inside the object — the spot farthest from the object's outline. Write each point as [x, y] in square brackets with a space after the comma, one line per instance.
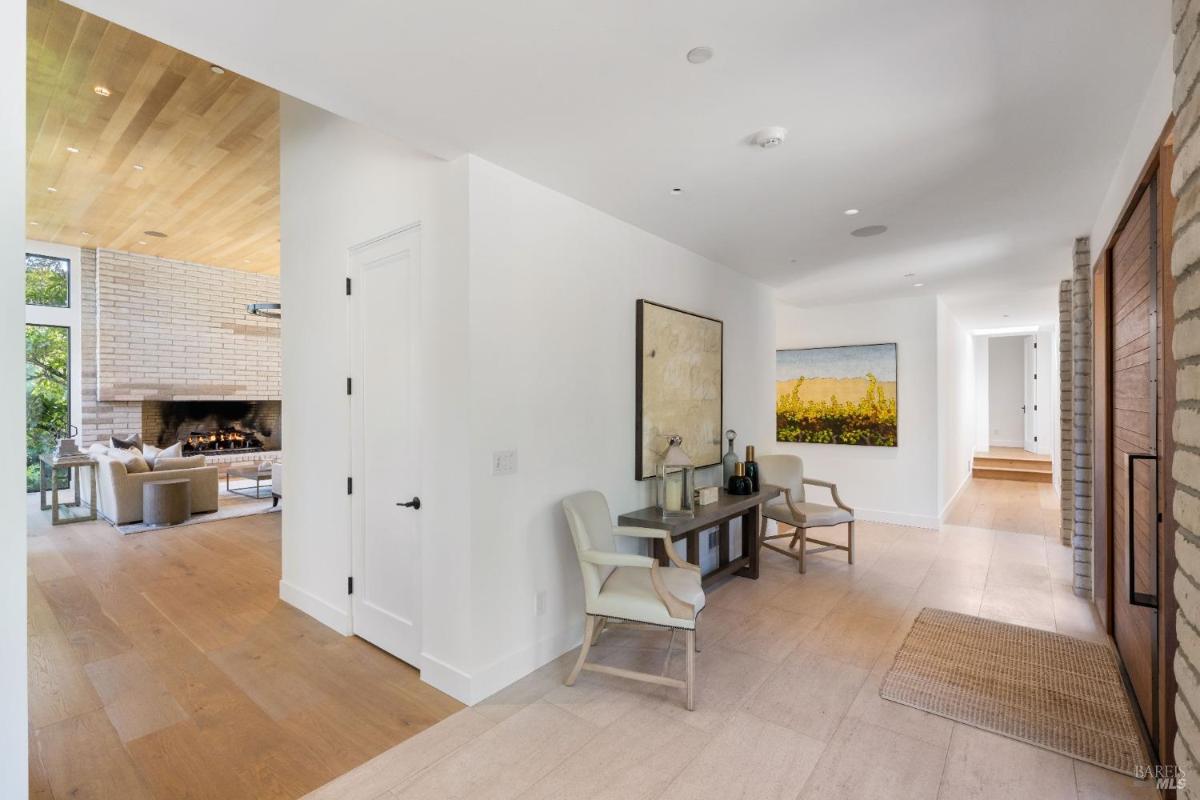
[213, 426]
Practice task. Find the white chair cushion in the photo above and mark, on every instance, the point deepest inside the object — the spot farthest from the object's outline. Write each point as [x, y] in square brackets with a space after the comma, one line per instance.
[628, 594]
[812, 515]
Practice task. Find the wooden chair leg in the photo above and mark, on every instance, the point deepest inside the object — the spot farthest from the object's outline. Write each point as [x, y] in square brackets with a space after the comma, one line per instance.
[850, 539]
[588, 632]
[802, 533]
[691, 670]
[600, 629]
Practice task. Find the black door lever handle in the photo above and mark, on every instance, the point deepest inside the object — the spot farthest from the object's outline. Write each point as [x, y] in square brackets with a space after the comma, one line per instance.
[414, 504]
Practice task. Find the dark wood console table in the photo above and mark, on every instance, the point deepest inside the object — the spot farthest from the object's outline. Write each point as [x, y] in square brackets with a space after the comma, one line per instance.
[714, 515]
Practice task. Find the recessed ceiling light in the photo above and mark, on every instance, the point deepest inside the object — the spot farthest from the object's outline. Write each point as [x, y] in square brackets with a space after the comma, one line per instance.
[31, 222]
[850, 212]
[216, 70]
[918, 285]
[138, 167]
[84, 233]
[245, 261]
[102, 91]
[910, 274]
[155, 234]
[869, 230]
[677, 191]
[141, 242]
[71, 149]
[51, 189]
[698, 55]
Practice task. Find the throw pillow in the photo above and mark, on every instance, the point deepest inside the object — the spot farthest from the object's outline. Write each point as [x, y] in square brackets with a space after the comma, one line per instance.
[186, 462]
[152, 453]
[132, 459]
[131, 442]
[98, 449]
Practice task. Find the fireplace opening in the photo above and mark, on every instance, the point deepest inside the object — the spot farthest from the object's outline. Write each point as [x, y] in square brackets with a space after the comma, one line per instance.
[213, 426]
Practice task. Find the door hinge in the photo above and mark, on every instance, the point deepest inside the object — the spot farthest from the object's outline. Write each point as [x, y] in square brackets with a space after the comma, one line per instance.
[1035, 345]
[350, 585]
[347, 287]
[1035, 438]
[1035, 376]
[349, 384]
[349, 485]
[1035, 406]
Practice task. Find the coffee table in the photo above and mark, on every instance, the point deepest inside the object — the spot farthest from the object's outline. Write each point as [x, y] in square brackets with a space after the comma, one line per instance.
[251, 472]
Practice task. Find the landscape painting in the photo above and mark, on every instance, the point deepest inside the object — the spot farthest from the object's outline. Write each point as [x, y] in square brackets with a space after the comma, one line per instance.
[837, 395]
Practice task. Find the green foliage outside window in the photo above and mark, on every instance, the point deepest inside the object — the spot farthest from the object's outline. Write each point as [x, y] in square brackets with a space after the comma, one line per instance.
[47, 393]
[47, 281]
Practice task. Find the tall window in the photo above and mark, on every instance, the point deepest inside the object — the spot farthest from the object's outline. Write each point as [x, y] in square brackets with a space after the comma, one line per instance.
[47, 281]
[47, 393]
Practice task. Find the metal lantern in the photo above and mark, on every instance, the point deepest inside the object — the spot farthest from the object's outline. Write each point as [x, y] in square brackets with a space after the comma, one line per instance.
[676, 482]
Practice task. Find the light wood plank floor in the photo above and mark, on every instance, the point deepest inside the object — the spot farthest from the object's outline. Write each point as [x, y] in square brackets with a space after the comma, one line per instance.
[164, 665]
[787, 701]
[1013, 506]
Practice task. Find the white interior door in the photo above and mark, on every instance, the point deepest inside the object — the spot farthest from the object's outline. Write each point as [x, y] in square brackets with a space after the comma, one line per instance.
[1030, 404]
[384, 307]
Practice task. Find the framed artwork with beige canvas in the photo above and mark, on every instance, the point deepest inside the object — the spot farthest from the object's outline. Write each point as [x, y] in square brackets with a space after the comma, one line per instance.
[679, 385]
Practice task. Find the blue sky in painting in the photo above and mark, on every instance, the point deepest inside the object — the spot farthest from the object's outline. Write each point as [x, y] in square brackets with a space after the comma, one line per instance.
[837, 362]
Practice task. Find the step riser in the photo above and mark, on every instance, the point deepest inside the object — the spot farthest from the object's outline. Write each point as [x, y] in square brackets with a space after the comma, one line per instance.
[1014, 463]
[1027, 476]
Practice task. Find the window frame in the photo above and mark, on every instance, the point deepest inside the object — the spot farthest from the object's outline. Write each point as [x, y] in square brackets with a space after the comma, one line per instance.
[70, 371]
[70, 269]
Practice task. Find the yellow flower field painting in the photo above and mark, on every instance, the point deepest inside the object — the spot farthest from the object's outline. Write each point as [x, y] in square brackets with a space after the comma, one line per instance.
[837, 395]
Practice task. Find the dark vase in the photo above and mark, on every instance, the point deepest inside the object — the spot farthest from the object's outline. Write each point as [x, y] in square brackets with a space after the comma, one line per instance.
[751, 467]
[739, 483]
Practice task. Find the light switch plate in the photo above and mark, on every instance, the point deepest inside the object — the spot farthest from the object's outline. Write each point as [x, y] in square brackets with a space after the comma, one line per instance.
[504, 462]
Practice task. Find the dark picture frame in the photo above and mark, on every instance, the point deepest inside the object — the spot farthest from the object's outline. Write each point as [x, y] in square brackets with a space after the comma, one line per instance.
[698, 451]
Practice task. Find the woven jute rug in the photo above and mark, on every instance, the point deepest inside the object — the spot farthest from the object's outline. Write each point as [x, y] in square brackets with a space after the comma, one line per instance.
[1050, 690]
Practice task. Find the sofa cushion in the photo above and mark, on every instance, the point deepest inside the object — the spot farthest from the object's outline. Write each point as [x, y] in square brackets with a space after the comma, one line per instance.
[152, 453]
[162, 464]
[131, 442]
[132, 459]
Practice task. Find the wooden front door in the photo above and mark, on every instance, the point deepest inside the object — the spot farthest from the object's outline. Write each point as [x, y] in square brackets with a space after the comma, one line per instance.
[1135, 557]
[1133, 461]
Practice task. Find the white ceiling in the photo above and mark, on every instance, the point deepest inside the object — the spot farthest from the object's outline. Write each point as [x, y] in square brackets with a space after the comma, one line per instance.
[984, 133]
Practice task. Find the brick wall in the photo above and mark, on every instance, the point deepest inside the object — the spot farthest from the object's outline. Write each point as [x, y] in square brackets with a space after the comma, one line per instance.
[169, 330]
[1185, 264]
[1066, 472]
[1081, 402]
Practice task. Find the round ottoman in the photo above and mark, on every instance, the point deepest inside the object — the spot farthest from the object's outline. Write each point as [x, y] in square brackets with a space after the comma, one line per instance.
[166, 502]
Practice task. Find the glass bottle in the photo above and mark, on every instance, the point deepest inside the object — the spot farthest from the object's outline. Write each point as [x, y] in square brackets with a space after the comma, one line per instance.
[739, 483]
[730, 459]
[751, 467]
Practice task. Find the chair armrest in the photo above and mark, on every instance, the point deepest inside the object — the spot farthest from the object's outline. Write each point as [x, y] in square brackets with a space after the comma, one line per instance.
[832, 487]
[605, 558]
[664, 537]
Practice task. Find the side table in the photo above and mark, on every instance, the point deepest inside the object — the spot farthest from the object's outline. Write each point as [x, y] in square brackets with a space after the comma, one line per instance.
[48, 466]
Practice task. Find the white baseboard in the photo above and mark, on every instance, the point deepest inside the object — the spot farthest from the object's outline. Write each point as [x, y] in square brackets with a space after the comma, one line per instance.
[897, 518]
[1007, 443]
[516, 665]
[444, 677]
[325, 613]
[957, 492]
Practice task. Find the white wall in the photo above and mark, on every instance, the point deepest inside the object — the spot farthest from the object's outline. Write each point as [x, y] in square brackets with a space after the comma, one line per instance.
[1147, 127]
[1006, 391]
[342, 184]
[69, 317]
[1047, 390]
[14, 713]
[980, 345]
[956, 406]
[889, 484]
[554, 285]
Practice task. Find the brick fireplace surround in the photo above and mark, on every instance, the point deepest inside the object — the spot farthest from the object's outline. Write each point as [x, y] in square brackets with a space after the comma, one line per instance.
[155, 329]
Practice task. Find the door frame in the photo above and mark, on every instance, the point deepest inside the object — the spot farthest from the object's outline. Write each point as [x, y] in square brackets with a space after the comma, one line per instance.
[1029, 366]
[356, 467]
[1158, 167]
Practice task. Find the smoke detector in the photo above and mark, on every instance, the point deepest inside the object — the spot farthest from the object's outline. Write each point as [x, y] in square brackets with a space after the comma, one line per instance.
[770, 137]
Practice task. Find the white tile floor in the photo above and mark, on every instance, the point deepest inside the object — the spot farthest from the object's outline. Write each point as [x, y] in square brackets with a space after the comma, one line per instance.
[787, 702]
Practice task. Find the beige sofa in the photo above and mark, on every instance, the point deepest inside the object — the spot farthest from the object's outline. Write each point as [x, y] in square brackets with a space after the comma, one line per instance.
[120, 493]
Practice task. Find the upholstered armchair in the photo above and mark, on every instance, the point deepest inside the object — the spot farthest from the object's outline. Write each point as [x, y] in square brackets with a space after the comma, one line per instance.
[787, 472]
[630, 588]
